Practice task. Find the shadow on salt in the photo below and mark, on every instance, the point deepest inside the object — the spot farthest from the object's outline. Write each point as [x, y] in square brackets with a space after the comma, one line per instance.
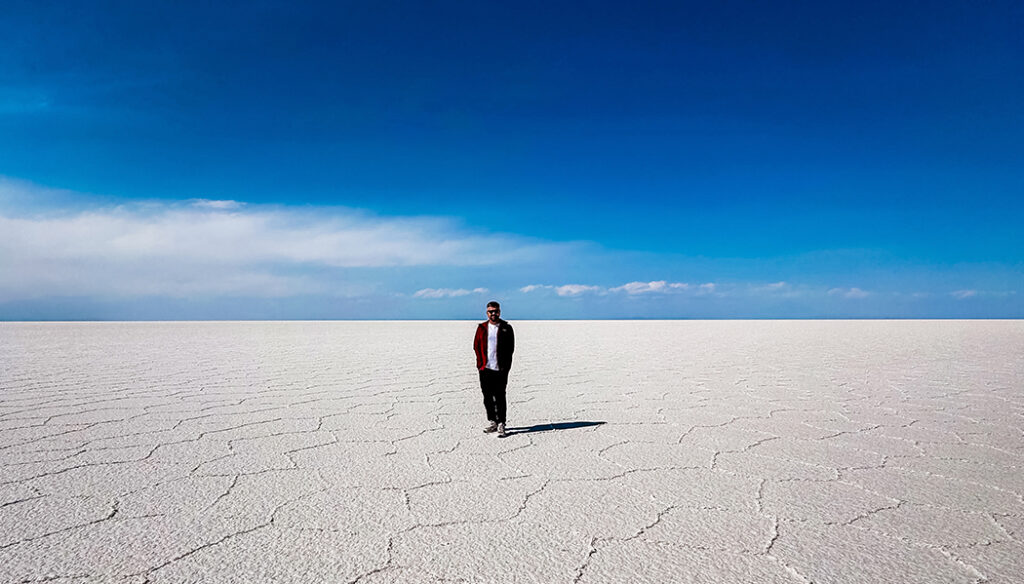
[551, 427]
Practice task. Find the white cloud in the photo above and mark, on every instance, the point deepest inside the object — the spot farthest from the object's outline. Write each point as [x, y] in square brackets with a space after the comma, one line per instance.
[963, 294]
[629, 288]
[447, 292]
[210, 204]
[658, 286]
[781, 290]
[203, 247]
[535, 287]
[566, 290]
[849, 293]
[576, 289]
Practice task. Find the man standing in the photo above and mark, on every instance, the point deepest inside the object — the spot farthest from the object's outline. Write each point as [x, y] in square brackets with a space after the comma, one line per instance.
[494, 344]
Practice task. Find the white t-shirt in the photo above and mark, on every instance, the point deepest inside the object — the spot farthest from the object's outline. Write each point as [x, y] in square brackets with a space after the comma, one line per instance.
[492, 346]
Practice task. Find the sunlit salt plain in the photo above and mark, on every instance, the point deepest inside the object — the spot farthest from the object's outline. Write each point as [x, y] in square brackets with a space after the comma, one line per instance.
[641, 451]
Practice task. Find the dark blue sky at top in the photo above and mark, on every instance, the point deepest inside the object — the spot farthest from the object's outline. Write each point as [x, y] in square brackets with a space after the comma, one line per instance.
[716, 129]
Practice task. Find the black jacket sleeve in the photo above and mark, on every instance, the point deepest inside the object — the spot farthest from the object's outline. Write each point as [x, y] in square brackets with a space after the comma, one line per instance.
[506, 346]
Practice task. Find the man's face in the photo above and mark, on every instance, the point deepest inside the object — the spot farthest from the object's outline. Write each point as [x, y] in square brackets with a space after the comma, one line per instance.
[493, 313]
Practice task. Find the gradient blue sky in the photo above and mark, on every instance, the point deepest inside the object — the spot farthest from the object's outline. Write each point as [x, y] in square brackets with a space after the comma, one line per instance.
[160, 160]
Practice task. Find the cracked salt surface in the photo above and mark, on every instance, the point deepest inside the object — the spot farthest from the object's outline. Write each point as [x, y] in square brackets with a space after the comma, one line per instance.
[769, 451]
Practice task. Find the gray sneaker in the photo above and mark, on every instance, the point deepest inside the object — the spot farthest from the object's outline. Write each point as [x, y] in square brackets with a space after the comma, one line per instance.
[501, 430]
[492, 428]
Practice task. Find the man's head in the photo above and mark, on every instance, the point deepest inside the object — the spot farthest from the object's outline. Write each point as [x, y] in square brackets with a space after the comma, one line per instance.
[493, 311]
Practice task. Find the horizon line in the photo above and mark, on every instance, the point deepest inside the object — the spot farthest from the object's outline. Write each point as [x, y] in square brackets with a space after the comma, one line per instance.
[754, 318]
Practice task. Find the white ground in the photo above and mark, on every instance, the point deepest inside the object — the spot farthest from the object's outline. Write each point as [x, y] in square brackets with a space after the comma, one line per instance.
[762, 452]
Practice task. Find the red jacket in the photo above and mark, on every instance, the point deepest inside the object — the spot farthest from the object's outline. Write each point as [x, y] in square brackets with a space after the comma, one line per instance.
[506, 345]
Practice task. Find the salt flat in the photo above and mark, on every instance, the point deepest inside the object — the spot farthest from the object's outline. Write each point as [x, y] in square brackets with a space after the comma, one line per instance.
[685, 451]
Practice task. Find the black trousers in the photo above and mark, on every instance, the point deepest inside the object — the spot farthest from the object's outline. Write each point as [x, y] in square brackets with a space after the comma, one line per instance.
[493, 383]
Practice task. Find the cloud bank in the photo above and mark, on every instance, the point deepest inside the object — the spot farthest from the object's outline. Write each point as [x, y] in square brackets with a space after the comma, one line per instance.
[628, 289]
[208, 247]
[68, 255]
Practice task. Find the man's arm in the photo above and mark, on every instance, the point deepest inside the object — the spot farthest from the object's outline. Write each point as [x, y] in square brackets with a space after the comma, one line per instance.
[510, 341]
[478, 347]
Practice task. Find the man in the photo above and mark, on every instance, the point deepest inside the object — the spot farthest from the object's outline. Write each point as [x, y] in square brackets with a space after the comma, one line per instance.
[494, 344]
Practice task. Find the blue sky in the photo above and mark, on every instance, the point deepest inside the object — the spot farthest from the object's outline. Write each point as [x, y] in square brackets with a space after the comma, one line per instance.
[599, 160]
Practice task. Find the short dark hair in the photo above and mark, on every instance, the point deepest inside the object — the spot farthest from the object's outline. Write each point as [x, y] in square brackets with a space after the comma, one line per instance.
[493, 304]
